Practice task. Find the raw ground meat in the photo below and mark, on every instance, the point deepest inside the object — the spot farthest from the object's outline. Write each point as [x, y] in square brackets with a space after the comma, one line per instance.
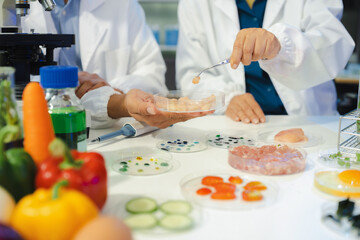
[267, 160]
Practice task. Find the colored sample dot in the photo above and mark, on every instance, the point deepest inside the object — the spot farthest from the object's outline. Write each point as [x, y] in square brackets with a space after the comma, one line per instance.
[196, 142]
[140, 170]
[151, 159]
[156, 160]
[146, 164]
[178, 149]
[156, 163]
[188, 149]
[139, 158]
[185, 142]
[123, 169]
[123, 163]
[164, 164]
[218, 135]
[163, 144]
[129, 161]
[157, 168]
[137, 164]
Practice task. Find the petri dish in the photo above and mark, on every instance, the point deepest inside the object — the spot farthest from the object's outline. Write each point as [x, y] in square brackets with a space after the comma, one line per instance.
[269, 135]
[340, 225]
[341, 183]
[193, 182]
[265, 159]
[142, 162]
[195, 215]
[181, 145]
[334, 159]
[221, 140]
[189, 101]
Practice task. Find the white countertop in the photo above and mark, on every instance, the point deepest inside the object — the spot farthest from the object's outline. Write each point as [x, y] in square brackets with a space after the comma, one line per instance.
[296, 214]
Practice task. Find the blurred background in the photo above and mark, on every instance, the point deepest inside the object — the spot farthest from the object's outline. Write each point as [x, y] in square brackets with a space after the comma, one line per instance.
[161, 15]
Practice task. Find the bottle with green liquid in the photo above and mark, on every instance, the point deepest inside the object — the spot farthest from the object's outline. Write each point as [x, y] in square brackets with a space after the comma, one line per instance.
[67, 114]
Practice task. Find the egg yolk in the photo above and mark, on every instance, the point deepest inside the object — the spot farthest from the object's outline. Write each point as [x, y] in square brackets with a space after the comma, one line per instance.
[351, 177]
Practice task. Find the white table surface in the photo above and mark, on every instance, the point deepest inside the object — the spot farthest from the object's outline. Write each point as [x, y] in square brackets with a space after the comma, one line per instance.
[296, 214]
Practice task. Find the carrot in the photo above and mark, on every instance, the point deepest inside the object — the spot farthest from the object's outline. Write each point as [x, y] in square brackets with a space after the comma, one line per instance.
[38, 128]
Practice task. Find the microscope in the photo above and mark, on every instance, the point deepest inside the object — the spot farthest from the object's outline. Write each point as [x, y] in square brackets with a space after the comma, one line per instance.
[26, 52]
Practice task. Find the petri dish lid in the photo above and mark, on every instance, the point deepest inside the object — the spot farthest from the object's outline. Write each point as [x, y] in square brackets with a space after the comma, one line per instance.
[226, 140]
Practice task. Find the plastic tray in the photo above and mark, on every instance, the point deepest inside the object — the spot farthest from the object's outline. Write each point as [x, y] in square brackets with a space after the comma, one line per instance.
[142, 162]
[189, 101]
[271, 165]
[328, 181]
[268, 136]
[191, 183]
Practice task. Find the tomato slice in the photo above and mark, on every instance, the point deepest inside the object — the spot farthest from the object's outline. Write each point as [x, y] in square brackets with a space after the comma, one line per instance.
[252, 195]
[225, 187]
[223, 195]
[235, 180]
[203, 191]
[255, 185]
[211, 180]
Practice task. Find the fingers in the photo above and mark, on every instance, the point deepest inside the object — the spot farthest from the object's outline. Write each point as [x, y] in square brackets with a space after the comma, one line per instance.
[83, 88]
[244, 108]
[237, 50]
[248, 49]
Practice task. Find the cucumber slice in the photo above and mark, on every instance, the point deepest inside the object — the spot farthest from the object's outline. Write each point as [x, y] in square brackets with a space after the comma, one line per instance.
[141, 221]
[176, 222]
[176, 207]
[141, 205]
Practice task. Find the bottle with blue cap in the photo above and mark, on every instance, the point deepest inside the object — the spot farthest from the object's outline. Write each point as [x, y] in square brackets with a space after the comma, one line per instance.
[67, 114]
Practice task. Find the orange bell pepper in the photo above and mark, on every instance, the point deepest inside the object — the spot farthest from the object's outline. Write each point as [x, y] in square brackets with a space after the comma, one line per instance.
[52, 214]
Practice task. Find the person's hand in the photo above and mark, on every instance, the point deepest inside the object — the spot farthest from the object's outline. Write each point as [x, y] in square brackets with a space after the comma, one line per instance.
[140, 106]
[245, 108]
[88, 82]
[253, 44]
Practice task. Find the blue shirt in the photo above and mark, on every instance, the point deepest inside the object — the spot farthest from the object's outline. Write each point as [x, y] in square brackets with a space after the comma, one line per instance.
[258, 82]
[66, 20]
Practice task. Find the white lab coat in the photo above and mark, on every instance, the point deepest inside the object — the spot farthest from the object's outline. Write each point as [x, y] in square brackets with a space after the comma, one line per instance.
[315, 47]
[116, 44]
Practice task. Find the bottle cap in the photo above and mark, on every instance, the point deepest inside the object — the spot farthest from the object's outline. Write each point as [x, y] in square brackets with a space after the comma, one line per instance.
[59, 77]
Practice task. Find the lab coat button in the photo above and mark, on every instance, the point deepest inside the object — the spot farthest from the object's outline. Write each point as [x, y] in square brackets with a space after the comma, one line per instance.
[64, 13]
[269, 89]
[255, 19]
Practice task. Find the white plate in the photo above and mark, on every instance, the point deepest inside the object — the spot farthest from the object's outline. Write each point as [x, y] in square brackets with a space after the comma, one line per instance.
[191, 183]
[268, 136]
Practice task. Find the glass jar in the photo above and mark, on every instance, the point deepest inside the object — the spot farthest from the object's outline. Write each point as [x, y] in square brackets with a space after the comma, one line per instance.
[67, 114]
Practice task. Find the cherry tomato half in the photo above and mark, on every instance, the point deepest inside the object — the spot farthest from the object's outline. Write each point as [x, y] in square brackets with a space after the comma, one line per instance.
[203, 191]
[235, 180]
[211, 180]
[255, 185]
[223, 195]
[252, 195]
[225, 187]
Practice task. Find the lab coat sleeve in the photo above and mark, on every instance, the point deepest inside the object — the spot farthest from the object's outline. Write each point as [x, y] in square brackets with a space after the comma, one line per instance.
[192, 56]
[95, 102]
[314, 54]
[146, 68]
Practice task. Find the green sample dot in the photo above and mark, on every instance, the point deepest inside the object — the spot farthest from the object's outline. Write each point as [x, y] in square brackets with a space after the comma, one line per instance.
[218, 135]
[146, 164]
[123, 163]
[164, 164]
[140, 170]
[136, 163]
[123, 169]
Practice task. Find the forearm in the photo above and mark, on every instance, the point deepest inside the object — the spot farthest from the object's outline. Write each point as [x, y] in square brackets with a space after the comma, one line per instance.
[116, 107]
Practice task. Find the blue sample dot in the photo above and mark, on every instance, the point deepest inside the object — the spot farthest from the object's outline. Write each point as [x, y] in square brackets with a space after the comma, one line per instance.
[163, 144]
[196, 142]
[179, 149]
